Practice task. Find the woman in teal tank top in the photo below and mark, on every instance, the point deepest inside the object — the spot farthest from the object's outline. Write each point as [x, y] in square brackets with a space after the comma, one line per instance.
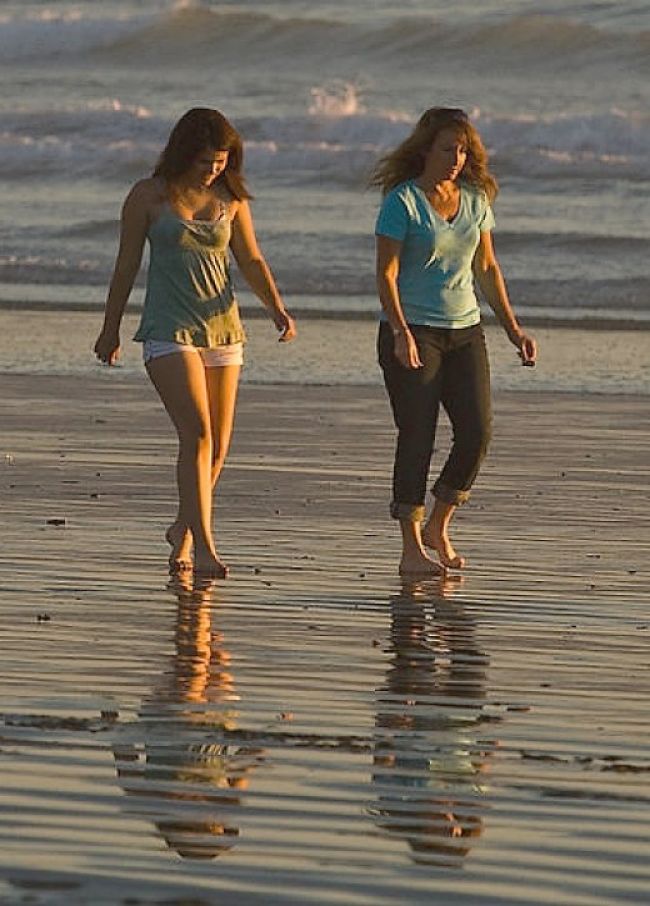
[194, 210]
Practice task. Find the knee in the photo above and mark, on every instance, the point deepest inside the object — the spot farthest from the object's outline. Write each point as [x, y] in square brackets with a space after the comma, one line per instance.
[416, 434]
[195, 433]
[481, 444]
[483, 439]
[218, 456]
[475, 443]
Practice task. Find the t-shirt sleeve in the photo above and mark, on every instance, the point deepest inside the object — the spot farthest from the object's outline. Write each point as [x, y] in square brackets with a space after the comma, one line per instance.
[392, 220]
[486, 221]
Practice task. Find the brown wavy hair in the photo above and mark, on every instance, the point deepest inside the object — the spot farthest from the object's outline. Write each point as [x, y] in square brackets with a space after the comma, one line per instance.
[199, 129]
[407, 160]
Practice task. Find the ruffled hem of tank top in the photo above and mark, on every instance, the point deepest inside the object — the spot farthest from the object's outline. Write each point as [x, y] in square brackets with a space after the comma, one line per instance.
[227, 339]
[187, 339]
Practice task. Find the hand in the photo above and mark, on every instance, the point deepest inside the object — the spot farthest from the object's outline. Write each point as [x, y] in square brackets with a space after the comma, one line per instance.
[285, 325]
[107, 347]
[406, 350]
[527, 349]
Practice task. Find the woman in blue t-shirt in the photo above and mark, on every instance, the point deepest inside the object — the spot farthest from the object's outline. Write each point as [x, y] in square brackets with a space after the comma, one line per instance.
[433, 240]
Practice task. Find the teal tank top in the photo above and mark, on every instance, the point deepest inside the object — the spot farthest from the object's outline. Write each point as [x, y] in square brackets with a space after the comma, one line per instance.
[190, 297]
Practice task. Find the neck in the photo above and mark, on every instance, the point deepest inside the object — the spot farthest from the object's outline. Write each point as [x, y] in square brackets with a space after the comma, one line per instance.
[433, 186]
[182, 187]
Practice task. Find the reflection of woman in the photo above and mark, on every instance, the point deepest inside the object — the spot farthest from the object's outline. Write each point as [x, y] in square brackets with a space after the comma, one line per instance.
[183, 776]
[192, 210]
[427, 763]
[434, 238]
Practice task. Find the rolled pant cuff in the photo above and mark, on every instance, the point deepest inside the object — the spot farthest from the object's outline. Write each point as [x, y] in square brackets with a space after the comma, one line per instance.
[449, 495]
[411, 512]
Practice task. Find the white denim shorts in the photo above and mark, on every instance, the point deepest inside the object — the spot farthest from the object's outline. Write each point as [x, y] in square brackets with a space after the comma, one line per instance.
[233, 354]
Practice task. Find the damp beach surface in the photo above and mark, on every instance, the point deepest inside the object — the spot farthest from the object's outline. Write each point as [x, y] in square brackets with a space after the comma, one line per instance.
[312, 730]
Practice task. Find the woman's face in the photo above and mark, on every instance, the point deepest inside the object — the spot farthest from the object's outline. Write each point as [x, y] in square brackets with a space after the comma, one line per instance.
[206, 167]
[446, 157]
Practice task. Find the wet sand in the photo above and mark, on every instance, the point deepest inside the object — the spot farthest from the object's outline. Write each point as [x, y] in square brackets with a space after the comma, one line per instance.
[312, 730]
[335, 351]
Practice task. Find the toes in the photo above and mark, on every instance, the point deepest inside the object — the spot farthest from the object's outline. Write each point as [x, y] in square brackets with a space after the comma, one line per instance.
[179, 566]
[422, 569]
[455, 562]
[446, 554]
[211, 570]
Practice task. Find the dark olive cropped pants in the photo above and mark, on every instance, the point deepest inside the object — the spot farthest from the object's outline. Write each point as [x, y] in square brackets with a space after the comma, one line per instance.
[456, 374]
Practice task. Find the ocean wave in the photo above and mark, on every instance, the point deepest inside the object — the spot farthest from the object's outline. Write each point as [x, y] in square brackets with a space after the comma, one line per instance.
[334, 137]
[193, 32]
[89, 230]
[105, 137]
[51, 32]
[150, 35]
[199, 28]
[55, 271]
[540, 36]
[583, 244]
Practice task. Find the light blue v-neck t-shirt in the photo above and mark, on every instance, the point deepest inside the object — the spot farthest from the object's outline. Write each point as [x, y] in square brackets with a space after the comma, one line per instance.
[435, 281]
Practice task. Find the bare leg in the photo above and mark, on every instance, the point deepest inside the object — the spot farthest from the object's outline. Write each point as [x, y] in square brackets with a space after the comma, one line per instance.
[180, 381]
[179, 538]
[435, 534]
[415, 560]
[221, 384]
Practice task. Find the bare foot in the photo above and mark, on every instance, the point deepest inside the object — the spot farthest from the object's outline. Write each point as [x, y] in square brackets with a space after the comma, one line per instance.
[210, 566]
[440, 543]
[420, 565]
[180, 541]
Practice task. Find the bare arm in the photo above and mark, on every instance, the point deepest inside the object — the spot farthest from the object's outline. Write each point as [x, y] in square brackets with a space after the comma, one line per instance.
[256, 271]
[387, 271]
[493, 288]
[133, 231]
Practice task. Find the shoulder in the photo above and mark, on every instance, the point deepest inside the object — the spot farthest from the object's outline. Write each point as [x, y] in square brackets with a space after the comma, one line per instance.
[238, 208]
[398, 211]
[476, 198]
[222, 193]
[146, 192]
[401, 192]
[478, 207]
[401, 197]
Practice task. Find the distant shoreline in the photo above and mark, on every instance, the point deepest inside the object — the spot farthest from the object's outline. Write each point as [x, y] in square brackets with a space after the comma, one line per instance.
[324, 314]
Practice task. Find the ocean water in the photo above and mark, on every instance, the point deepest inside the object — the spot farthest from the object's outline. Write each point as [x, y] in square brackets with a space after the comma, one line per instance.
[559, 91]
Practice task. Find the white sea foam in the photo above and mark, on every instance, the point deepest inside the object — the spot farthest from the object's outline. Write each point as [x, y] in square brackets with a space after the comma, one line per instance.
[336, 133]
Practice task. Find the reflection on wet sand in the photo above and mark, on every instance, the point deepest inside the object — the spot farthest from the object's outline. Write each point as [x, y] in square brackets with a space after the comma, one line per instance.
[181, 773]
[428, 764]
